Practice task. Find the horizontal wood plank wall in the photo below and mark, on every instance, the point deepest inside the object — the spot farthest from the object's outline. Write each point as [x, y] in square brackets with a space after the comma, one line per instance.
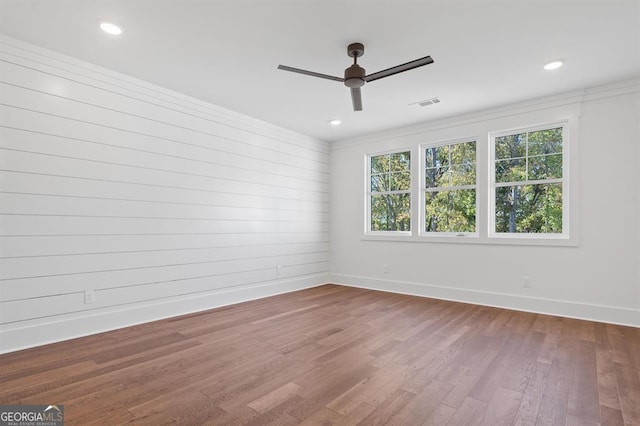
[145, 196]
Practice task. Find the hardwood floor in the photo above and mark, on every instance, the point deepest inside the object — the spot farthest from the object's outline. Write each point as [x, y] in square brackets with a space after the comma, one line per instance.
[339, 355]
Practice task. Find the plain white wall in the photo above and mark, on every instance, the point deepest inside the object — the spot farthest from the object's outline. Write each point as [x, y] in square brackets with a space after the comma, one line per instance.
[159, 203]
[597, 279]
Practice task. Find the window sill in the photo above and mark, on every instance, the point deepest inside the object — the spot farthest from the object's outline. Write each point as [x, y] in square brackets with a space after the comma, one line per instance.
[472, 239]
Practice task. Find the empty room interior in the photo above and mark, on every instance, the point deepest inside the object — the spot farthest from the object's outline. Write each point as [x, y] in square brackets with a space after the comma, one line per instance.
[316, 212]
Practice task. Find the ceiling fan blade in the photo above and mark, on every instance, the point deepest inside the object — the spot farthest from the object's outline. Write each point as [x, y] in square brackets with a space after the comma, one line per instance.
[356, 98]
[399, 68]
[311, 73]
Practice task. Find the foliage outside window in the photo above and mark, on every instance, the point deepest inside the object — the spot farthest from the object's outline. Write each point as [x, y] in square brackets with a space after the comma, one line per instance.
[390, 192]
[513, 188]
[528, 182]
[450, 188]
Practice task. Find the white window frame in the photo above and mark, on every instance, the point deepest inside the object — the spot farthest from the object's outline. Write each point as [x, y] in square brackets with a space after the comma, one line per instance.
[423, 190]
[485, 189]
[368, 194]
[565, 180]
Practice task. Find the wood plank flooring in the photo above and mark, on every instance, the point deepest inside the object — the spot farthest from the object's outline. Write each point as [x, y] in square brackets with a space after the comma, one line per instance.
[340, 355]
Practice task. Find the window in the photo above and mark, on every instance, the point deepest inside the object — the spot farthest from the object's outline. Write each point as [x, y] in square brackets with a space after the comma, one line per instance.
[528, 182]
[506, 187]
[390, 192]
[450, 188]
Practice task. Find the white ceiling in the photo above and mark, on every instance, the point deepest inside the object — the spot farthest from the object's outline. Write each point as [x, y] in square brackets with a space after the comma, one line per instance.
[486, 52]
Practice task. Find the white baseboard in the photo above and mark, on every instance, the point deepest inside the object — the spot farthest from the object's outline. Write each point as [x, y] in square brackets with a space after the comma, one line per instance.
[14, 339]
[599, 313]
[80, 325]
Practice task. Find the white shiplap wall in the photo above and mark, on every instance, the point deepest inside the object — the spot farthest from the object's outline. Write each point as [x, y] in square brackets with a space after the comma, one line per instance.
[160, 203]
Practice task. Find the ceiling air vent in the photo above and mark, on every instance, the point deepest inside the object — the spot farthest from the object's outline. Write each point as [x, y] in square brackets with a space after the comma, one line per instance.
[427, 102]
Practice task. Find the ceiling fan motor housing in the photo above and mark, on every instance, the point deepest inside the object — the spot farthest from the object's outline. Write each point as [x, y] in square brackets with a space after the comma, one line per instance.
[354, 76]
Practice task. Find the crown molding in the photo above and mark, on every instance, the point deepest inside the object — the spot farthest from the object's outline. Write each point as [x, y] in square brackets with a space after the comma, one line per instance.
[573, 99]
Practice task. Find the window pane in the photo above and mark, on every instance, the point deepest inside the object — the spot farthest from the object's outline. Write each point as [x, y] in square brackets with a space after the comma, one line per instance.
[437, 156]
[511, 170]
[463, 153]
[463, 174]
[545, 167]
[400, 161]
[529, 209]
[436, 177]
[511, 146]
[380, 164]
[400, 181]
[379, 183]
[390, 212]
[450, 211]
[545, 142]
[390, 172]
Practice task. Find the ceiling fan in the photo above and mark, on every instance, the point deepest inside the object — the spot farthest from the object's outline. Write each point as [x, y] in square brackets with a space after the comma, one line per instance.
[355, 77]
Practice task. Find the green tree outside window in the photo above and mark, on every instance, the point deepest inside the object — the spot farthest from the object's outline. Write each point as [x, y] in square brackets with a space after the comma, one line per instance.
[450, 188]
[528, 182]
[390, 192]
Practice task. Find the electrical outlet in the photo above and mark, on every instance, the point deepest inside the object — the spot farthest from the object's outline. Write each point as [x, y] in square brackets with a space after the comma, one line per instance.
[526, 282]
[385, 269]
[89, 297]
[278, 271]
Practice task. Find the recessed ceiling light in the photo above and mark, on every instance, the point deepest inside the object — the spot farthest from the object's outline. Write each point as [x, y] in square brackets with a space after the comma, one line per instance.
[335, 122]
[110, 28]
[553, 65]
